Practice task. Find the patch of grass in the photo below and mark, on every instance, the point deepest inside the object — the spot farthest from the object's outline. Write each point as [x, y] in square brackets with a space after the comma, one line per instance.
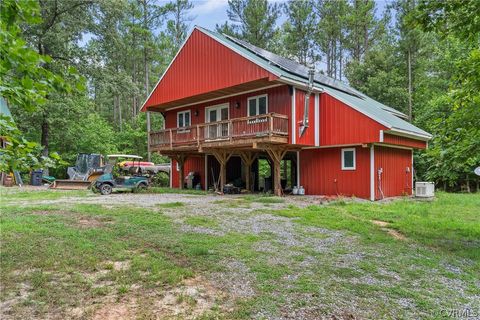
[20, 194]
[64, 265]
[263, 199]
[175, 204]
[234, 202]
[201, 221]
[450, 223]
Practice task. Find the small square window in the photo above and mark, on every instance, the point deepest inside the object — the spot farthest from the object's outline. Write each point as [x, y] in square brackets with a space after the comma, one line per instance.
[348, 159]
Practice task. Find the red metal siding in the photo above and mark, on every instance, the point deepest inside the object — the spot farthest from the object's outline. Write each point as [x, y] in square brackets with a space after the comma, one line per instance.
[403, 141]
[279, 101]
[204, 65]
[308, 137]
[321, 173]
[396, 180]
[341, 124]
[193, 163]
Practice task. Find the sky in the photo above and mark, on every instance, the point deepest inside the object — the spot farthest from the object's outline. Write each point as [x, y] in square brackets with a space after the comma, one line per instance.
[208, 13]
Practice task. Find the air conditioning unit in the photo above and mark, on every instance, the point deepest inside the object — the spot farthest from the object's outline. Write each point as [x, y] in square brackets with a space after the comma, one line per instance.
[424, 189]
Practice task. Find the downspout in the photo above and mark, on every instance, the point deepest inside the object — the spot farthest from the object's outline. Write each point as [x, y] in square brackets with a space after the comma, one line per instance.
[304, 122]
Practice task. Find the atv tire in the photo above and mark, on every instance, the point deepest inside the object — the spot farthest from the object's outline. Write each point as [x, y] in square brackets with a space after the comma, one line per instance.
[105, 189]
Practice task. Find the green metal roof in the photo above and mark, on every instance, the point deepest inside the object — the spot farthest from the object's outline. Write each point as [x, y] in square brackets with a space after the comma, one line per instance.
[275, 64]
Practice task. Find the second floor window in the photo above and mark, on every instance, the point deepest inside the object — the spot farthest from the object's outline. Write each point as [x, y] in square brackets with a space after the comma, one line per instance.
[257, 105]
[183, 119]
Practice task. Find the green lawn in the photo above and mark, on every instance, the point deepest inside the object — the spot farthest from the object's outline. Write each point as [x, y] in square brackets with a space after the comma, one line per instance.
[58, 258]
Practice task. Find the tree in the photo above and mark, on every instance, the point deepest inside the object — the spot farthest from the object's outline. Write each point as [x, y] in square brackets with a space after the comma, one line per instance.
[177, 26]
[254, 21]
[455, 149]
[363, 29]
[380, 75]
[299, 30]
[19, 153]
[61, 24]
[24, 80]
[330, 35]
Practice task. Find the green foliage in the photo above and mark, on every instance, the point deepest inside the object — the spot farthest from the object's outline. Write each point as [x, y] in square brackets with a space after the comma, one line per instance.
[20, 154]
[455, 122]
[24, 80]
[299, 30]
[459, 17]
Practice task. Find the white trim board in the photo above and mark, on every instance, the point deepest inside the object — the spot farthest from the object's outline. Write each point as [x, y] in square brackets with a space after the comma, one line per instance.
[407, 134]
[334, 146]
[294, 109]
[316, 120]
[298, 169]
[372, 172]
[411, 172]
[395, 146]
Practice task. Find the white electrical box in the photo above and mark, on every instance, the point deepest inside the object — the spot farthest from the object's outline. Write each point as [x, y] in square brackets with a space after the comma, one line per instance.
[424, 189]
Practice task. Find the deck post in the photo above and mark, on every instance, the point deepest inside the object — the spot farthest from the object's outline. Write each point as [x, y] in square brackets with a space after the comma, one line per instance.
[248, 158]
[276, 154]
[222, 157]
[180, 158]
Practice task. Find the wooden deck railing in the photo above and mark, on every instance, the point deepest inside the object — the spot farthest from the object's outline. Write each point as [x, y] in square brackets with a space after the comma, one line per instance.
[264, 125]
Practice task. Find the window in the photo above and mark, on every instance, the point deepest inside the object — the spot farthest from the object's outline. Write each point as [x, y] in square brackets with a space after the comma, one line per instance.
[348, 159]
[183, 119]
[257, 105]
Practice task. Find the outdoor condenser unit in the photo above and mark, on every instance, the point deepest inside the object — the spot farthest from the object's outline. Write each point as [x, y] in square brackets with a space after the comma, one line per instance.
[424, 189]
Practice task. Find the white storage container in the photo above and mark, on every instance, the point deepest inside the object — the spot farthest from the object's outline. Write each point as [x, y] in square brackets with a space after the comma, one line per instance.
[424, 189]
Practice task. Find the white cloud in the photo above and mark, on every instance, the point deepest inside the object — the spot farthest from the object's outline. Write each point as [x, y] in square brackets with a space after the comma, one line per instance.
[208, 6]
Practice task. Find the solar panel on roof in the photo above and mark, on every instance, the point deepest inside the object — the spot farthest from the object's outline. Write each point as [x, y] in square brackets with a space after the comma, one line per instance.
[294, 67]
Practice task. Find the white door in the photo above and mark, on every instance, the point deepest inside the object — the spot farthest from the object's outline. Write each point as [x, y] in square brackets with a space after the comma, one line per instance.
[213, 115]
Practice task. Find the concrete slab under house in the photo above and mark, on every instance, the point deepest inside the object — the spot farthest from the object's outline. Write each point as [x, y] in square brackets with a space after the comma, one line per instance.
[231, 108]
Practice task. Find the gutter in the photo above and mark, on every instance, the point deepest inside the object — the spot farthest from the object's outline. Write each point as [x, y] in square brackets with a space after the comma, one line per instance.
[409, 134]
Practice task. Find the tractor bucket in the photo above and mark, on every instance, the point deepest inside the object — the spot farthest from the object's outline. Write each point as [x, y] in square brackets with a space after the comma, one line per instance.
[71, 184]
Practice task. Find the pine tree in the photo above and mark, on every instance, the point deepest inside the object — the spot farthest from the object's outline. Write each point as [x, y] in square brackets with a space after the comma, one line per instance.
[330, 34]
[178, 25]
[254, 21]
[299, 31]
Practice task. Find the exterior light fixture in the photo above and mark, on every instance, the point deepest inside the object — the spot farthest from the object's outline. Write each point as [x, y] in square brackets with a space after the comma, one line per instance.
[196, 112]
[237, 105]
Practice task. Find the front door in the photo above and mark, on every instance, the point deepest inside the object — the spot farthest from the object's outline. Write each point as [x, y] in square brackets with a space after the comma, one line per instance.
[215, 114]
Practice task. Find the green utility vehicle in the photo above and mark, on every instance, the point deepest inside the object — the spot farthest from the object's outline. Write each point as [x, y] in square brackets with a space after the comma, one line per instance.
[121, 178]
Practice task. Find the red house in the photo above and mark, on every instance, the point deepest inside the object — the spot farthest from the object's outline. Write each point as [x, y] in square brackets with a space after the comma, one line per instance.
[229, 106]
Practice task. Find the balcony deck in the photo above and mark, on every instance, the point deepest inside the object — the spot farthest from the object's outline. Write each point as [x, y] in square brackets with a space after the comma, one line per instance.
[244, 132]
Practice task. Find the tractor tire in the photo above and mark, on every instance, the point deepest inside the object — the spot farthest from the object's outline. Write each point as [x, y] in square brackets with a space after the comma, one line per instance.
[105, 189]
